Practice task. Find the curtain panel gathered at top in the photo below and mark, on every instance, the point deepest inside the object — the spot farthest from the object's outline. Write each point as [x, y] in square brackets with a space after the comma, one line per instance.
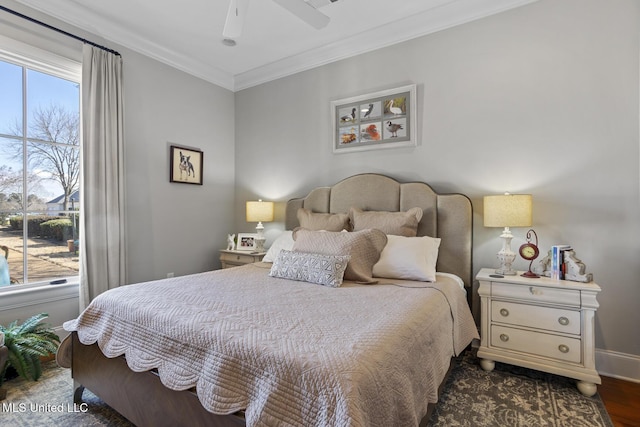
[102, 243]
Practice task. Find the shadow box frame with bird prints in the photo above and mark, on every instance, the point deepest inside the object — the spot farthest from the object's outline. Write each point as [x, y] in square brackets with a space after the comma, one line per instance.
[384, 119]
[185, 165]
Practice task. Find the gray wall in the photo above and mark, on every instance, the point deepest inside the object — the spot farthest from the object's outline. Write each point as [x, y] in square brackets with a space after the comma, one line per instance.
[542, 99]
[174, 227]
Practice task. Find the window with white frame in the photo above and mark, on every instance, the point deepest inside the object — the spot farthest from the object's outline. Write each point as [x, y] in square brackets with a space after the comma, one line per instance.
[39, 167]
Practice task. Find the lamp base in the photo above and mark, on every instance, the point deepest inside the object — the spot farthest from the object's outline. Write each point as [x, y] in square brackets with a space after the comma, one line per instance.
[260, 244]
[260, 239]
[506, 256]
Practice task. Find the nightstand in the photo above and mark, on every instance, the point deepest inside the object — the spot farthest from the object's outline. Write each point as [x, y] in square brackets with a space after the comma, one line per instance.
[543, 324]
[235, 258]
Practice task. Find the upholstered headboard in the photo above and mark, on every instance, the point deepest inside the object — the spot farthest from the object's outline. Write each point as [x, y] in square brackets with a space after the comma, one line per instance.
[447, 216]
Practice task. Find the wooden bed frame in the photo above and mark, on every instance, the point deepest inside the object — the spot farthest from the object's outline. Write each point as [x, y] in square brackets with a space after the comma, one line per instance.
[141, 397]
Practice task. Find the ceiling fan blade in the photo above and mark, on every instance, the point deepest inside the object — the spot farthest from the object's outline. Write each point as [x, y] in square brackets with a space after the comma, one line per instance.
[306, 12]
[235, 19]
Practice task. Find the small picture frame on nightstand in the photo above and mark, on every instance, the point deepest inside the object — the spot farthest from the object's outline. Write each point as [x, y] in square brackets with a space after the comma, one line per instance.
[246, 242]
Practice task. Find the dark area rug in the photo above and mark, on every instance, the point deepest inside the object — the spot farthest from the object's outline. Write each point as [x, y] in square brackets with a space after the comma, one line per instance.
[507, 396]
[514, 396]
[49, 402]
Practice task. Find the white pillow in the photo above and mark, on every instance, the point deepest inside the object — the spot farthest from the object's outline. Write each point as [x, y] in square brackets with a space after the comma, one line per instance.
[408, 258]
[284, 241]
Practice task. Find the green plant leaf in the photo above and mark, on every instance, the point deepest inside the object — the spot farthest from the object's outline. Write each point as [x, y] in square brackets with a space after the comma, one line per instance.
[26, 344]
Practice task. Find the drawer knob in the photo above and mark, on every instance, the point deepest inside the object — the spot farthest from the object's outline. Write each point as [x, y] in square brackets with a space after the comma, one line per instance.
[563, 321]
[563, 348]
[505, 338]
[504, 312]
[534, 291]
[238, 257]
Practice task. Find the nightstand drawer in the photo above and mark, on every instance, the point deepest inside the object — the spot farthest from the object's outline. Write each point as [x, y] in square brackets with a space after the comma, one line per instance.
[536, 343]
[237, 258]
[547, 318]
[536, 293]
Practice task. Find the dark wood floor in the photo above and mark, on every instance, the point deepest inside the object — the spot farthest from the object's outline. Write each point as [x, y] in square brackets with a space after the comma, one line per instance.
[622, 400]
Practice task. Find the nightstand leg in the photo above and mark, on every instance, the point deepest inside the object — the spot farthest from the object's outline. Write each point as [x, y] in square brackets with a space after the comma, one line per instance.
[586, 388]
[487, 364]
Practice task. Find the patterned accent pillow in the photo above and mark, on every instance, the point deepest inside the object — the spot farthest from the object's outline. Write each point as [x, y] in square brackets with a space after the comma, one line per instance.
[327, 270]
[323, 221]
[364, 247]
[396, 223]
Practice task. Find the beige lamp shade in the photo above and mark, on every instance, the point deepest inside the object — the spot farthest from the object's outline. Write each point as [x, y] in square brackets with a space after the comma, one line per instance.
[508, 210]
[259, 211]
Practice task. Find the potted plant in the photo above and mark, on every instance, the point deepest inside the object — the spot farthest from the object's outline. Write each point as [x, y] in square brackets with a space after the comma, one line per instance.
[26, 344]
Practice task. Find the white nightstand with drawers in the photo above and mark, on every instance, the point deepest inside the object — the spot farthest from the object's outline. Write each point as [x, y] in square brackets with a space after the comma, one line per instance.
[542, 324]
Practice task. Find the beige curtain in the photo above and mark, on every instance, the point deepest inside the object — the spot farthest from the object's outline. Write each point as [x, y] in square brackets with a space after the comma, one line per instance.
[102, 227]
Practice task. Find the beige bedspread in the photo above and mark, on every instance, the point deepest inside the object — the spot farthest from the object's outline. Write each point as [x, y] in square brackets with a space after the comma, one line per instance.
[287, 352]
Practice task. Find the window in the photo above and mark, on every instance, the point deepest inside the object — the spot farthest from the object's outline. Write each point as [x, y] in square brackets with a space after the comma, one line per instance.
[39, 167]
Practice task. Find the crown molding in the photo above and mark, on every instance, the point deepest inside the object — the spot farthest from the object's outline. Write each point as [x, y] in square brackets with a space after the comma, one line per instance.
[434, 20]
[439, 18]
[126, 38]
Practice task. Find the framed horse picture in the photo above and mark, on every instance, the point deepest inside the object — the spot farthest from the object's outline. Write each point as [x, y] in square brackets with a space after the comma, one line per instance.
[185, 165]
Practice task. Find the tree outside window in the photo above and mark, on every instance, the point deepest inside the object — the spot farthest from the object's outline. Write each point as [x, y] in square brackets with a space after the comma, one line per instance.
[39, 175]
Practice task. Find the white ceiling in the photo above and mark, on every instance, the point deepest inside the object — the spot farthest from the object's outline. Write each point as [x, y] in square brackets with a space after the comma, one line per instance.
[187, 34]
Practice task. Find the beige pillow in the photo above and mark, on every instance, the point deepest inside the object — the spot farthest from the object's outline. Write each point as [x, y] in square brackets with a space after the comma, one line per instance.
[323, 221]
[396, 223]
[364, 247]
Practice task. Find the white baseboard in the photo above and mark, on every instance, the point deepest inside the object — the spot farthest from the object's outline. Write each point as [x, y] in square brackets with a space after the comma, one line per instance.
[610, 364]
[618, 365]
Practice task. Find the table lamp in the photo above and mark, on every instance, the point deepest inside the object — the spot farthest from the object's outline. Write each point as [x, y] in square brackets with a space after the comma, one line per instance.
[257, 212]
[507, 210]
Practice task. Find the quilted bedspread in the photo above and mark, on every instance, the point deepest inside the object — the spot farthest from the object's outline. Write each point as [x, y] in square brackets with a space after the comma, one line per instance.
[287, 352]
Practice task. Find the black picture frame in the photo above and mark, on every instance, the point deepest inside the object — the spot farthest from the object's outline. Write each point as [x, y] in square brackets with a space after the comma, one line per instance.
[185, 165]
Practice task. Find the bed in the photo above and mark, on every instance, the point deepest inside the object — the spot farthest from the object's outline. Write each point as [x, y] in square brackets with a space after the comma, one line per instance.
[261, 345]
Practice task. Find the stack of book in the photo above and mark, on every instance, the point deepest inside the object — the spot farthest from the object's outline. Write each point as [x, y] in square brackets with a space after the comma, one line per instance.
[558, 265]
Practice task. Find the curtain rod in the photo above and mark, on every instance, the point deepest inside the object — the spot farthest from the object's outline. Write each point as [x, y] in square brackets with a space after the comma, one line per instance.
[73, 36]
